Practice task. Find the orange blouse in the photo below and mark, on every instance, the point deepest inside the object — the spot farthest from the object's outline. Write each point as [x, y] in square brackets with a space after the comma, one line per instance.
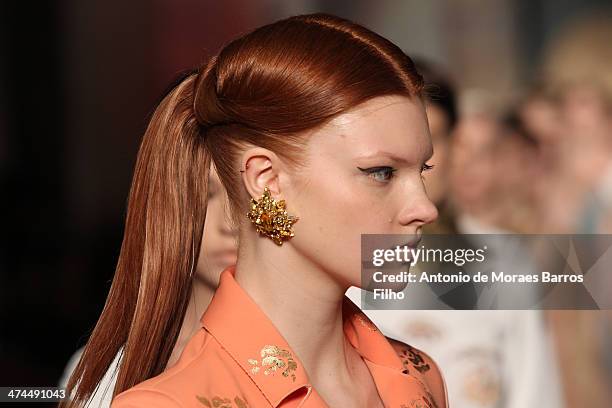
[239, 360]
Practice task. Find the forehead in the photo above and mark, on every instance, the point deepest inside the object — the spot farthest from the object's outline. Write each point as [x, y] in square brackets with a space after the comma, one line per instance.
[395, 124]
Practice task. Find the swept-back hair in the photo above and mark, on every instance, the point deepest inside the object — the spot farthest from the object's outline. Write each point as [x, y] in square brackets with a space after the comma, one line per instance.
[265, 88]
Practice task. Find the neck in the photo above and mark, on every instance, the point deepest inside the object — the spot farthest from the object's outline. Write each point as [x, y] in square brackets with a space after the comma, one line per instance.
[199, 300]
[303, 302]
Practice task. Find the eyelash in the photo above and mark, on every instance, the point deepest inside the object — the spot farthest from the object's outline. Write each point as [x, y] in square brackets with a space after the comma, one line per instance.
[426, 167]
[391, 170]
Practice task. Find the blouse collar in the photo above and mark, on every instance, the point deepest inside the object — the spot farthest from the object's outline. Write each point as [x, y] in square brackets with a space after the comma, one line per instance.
[247, 334]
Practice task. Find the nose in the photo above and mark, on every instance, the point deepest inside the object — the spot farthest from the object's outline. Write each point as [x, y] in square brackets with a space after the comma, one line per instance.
[418, 211]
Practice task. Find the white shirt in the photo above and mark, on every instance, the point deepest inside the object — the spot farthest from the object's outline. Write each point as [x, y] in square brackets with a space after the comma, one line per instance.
[102, 396]
[488, 358]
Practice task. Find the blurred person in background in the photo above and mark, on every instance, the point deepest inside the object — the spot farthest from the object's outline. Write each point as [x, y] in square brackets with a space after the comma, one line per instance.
[539, 115]
[442, 116]
[577, 71]
[491, 358]
[492, 169]
[218, 251]
[471, 176]
[515, 157]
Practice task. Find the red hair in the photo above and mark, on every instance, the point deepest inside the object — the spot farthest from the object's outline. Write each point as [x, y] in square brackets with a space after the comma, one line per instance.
[265, 88]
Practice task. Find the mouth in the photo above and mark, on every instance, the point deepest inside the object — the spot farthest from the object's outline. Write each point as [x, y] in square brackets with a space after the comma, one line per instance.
[410, 245]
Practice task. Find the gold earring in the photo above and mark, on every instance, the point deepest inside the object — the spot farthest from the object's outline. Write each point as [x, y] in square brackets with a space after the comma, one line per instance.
[271, 218]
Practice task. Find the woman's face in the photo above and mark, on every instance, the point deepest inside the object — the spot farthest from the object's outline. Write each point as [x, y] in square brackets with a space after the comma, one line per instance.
[218, 248]
[364, 174]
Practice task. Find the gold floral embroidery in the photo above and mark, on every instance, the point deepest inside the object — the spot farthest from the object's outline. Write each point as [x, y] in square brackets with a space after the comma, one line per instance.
[274, 358]
[429, 401]
[411, 355]
[218, 402]
[423, 402]
[240, 403]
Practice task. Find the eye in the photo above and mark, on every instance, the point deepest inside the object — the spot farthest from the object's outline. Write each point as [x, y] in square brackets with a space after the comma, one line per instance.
[426, 167]
[376, 173]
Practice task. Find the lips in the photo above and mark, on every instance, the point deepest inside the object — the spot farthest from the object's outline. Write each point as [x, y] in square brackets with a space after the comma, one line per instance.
[412, 244]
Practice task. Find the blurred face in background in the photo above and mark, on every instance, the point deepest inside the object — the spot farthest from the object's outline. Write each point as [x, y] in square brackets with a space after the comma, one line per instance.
[587, 133]
[514, 162]
[436, 179]
[586, 113]
[218, 249]
[472, 170]
[541, 118]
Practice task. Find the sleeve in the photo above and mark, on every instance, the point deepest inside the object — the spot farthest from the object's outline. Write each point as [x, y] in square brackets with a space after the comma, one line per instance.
[144, 398]
[70, 366]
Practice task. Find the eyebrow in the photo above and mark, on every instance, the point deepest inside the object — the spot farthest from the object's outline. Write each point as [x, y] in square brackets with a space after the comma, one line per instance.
[392, 156]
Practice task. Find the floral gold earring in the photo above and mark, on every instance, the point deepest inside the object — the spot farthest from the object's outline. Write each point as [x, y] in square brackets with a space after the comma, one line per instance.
[271, 219]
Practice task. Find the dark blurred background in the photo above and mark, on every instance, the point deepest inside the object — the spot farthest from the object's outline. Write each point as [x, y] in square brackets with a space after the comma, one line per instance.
[79, 79]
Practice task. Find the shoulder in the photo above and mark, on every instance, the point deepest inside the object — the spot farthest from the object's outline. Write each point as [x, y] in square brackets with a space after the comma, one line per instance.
[417, 361]
[183, 384]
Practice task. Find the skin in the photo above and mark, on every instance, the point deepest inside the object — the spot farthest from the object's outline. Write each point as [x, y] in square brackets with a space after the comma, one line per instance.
[217, 251]
[471, 172]
[300, 285]
[542, 119]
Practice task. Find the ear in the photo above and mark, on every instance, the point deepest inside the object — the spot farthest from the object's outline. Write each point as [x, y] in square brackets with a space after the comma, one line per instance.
[260, 168]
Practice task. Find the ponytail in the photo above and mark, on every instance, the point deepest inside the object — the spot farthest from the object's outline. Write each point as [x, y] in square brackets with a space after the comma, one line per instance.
[153, 280]
[269, 88]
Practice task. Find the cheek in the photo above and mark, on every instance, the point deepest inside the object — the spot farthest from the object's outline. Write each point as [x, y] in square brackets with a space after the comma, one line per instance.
[333, 215]
[343, 207]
